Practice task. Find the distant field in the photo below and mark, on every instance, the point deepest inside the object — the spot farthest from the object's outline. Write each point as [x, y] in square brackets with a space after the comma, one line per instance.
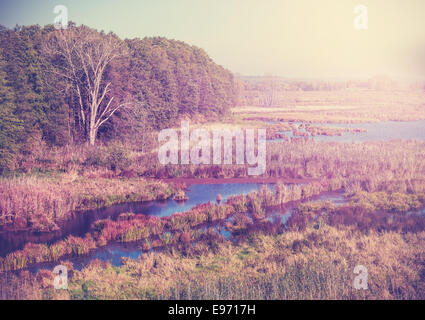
[340, 106]
[292, 108]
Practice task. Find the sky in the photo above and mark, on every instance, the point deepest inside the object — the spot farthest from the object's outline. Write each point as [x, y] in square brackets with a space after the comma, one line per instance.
[289, 38]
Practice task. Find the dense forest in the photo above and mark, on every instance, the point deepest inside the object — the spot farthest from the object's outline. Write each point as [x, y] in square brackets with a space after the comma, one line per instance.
[79, 85]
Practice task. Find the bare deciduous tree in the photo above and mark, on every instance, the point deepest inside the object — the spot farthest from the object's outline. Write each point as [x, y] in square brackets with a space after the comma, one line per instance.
[81, 56]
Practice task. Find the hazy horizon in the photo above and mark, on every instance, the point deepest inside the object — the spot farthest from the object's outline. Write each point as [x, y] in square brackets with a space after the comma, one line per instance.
[291, 39]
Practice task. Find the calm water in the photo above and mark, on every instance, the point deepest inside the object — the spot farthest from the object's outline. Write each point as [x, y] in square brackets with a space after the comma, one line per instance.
[380, 131]
[113, 253]
[197, 194]
[81, 222]
[200, 193]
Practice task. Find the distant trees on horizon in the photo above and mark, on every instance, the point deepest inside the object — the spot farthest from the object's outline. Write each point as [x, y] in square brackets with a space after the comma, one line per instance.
[268, 90]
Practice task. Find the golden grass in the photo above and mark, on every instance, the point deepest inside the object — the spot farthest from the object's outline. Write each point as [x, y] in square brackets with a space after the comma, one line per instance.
[344, 106]
[40, 203]
[254, 109]
[314, 264]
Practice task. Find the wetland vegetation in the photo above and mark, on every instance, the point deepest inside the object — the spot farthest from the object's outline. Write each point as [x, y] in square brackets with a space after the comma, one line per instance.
[98, 201]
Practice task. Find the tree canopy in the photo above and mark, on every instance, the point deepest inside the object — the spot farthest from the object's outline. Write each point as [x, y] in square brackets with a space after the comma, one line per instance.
[50, 85]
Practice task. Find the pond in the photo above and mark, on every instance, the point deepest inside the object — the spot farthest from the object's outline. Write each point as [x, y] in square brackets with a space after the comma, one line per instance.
[379, 131]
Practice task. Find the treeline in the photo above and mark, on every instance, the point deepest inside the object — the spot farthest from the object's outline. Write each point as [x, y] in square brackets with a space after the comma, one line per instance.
[70, 86]
[271, 90]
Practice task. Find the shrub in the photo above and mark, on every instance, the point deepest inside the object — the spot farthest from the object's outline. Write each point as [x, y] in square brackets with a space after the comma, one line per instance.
[95, 156]
[118, 156]
[185, 237]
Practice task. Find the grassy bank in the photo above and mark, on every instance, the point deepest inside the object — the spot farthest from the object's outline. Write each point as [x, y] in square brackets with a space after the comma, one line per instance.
[41, 203]
[385, 212]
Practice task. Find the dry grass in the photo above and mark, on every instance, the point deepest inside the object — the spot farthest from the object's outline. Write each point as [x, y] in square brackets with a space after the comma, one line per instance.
[345, 106]
[252, 109]
[308, 263]
[374, 166]
[393, 262]
[40, 203]
[314, 264]
[342, 106]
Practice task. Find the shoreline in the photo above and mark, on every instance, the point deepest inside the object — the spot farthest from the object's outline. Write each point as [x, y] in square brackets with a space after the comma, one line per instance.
[190, 181]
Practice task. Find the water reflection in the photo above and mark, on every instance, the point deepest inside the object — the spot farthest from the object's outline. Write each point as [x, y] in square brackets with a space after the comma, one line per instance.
[81, 222]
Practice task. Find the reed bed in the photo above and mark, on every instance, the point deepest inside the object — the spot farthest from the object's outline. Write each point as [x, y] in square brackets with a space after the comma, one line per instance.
[161, 232]
[141, 227]
[41, 203]
[341, 106]
[309, 264]
[370, 166]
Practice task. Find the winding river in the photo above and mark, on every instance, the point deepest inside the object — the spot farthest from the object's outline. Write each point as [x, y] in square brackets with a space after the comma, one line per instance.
[114, 252]
[81, 222]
